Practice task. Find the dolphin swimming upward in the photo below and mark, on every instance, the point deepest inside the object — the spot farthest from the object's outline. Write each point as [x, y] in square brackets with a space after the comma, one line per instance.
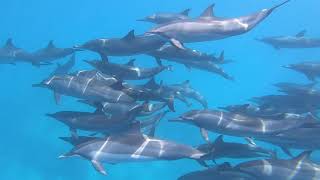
[208, 27]
[297, 41]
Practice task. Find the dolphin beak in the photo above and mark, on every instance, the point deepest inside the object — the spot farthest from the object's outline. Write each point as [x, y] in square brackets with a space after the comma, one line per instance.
[287, 66]
[51, 115]
[39, 85]
[178, 119]
[143, 20]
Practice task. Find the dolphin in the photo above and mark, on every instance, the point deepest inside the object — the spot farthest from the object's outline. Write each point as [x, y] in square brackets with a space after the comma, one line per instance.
[75, 141]
[301, 139]
[96, 89]
[297, 41]
[171, 53]
[122, 108]
[224, 171]
[127, 71]
[181, 91]
[298, 89]
[256, 111]
[10, 54]
[131, 147]
[97, 122]
[310, 69]
[186, 90]
[126, 46]
[287, 103]
[208, 27]
[298, 168]
[191, 59]
[237, 125]
[162, 18]
[64, 68]
[144, 93]
[221, 149]
[50, 53]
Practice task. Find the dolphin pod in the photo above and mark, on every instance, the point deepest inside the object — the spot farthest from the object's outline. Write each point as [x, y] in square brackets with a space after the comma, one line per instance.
[129, 101]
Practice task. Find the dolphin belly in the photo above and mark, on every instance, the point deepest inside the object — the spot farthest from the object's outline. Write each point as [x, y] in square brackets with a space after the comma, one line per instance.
[113, 158]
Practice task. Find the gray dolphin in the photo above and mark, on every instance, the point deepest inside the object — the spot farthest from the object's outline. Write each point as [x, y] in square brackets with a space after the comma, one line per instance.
[122, 108]
[187, 55]
[256, 111]
[237, 125]
[224, 171]
[301, 139]
[96, 89]
[297, 41]
[127, 71]
[126, 46]
[10, 54]
[298, 89]
[131, 147]
[191, 59]
[208, 27]
[145, 93]
[97, 122]
[180, 91]
[299, 168]
[287, 103]
[310, 69]
[162, 18]
[49, 54]
[64, 68]
[221, 149]
[75, 141]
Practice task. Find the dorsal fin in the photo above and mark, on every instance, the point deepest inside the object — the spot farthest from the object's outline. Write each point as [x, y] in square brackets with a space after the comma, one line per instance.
[219, 140]
[209, 12]
[9, 44]
[50, 45]
[130, 36]
[301, 33]
[131, 62]
[305, 156]
[135, 128]
[186, 83]
[151, 84]
[224, 166]
[186, 12]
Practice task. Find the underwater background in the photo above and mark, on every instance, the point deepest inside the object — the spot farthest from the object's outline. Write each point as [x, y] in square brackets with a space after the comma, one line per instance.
[29, 140]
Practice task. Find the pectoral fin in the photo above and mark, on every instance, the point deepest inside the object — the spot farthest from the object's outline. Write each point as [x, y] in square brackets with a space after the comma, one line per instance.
[205, 135]
[98, 167]
[57, 97]
[159, 61]
[287, 151]
[177, 44]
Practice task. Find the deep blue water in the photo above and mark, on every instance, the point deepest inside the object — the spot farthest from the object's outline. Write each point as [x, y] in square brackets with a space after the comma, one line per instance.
[29, 144]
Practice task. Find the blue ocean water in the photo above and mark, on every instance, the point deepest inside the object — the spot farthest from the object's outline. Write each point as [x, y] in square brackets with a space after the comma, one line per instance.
[29, 140]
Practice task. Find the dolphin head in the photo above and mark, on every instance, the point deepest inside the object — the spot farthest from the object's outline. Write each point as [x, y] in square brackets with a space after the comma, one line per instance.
[93, 45]
[64, 116]
[152, 18]
[189, 117]
[251, 21]
[291, 66]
